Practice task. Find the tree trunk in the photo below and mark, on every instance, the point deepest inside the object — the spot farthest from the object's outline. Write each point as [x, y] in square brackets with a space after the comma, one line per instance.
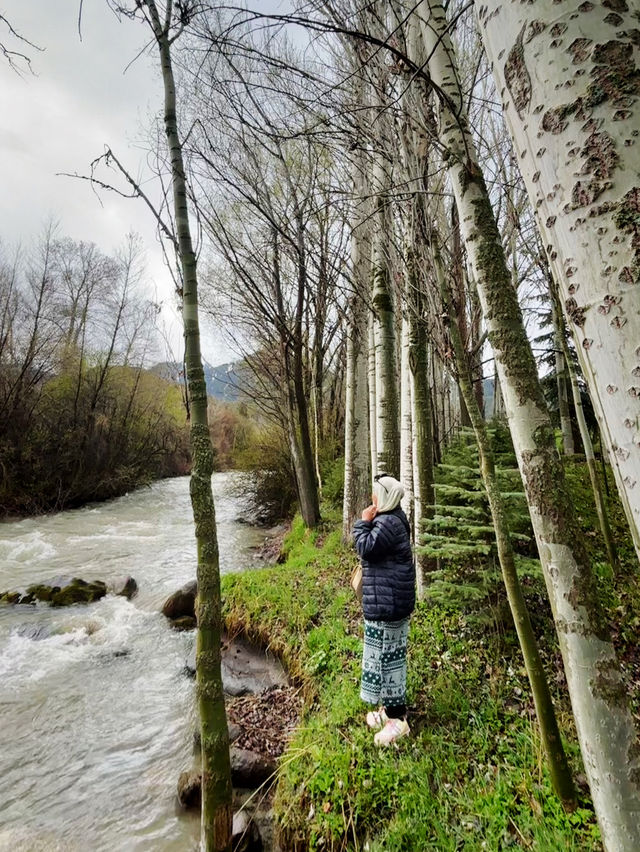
[216, 769]
[373, 406]
[357, 462]
[561, 380]
[574, 133]
[406, 424]
[307, 483]
[598, 498]
[387, 407]
[549, 732]
[422, 432]
[604, 722]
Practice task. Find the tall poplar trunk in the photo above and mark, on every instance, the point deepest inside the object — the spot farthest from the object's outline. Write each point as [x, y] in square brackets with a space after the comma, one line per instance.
[216, 769]
[422, 426]
[371, 385]
[437, 383]
[605, 725]
[561, 381]
[598, 497]
[306, 473]
[406, 423]
[498, 405]
[568, 75]
[357, 461]
[386, 387]
[549, 732]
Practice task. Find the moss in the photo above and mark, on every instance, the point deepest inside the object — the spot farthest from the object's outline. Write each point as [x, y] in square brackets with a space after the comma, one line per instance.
[78, 591]
[609, 686]
[40, 592]
[507, 334]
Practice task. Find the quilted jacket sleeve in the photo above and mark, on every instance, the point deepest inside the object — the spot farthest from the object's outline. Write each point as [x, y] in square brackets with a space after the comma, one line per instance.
[374, 539]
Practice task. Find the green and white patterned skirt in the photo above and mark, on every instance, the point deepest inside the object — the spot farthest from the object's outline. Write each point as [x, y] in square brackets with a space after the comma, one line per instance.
[384, 662]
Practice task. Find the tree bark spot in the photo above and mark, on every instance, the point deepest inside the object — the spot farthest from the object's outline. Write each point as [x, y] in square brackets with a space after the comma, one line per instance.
[575, 312]
[627, 220]
[517, 76]
[535, 28]
[584, 193]
[579, 49]
[600, 156]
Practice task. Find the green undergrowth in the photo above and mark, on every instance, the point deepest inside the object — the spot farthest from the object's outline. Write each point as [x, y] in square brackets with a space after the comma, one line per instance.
[471, 776]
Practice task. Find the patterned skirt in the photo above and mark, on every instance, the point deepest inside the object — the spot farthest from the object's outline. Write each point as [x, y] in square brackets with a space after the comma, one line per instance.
[384, 662]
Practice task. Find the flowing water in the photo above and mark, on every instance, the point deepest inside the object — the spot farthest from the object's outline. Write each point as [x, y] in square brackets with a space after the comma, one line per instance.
[96, 717]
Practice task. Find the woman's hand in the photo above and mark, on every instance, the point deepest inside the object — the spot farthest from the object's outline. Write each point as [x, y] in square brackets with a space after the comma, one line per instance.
[369, 513]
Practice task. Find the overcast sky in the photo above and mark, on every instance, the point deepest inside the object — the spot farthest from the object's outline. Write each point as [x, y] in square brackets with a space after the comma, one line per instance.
[81, 98]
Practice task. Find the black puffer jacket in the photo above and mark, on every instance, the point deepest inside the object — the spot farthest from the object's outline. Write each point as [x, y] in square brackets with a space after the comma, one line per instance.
[388, 570]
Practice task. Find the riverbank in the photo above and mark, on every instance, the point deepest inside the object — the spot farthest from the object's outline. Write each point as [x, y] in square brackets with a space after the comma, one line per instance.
[472, 774]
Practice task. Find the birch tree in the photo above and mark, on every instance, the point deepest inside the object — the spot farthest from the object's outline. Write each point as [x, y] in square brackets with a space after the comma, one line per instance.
[604, 722]
[568, 75]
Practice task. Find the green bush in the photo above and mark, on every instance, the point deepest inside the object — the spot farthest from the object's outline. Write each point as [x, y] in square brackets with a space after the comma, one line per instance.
[269, 484]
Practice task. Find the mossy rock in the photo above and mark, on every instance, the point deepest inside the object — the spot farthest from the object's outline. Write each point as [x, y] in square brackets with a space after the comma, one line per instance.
[42, 592]
[79, 591]
[64, 592]
[10, 597]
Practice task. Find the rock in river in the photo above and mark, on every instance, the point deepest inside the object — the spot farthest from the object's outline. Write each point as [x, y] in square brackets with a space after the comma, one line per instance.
[181, 603]
[125, 587]
[189, 789]
[63, 591]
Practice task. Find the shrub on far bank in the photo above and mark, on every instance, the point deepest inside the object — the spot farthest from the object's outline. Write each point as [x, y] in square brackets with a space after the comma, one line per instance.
[268, 486]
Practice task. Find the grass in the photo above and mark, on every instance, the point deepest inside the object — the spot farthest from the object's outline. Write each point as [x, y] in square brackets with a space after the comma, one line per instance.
[472, 774]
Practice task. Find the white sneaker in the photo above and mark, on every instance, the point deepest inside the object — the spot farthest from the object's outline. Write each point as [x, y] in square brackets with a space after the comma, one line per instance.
[392, 731]
[377, 719]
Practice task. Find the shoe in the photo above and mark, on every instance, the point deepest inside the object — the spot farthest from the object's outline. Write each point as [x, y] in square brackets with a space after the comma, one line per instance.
[377, 719]
[392, 731]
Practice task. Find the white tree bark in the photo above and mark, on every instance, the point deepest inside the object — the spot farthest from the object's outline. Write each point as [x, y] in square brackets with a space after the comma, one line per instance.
[373, 407]
[605, 726]
[387, 408]
[406, 423]
[568, 75]
[357, 463]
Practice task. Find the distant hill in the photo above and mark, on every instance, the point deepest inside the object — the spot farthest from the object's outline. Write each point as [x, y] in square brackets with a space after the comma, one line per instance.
[222, 381]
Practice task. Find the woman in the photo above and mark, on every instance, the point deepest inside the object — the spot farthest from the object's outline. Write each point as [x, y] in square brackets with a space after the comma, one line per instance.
[383, 542]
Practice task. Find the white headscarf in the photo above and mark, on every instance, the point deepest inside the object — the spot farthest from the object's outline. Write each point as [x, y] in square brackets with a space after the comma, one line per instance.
[388, 492]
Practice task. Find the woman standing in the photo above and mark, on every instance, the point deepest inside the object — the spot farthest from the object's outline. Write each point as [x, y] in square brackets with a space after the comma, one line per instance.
[383, 542]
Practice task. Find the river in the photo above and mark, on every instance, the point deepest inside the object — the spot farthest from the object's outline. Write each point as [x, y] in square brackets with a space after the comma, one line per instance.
[96, 717]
